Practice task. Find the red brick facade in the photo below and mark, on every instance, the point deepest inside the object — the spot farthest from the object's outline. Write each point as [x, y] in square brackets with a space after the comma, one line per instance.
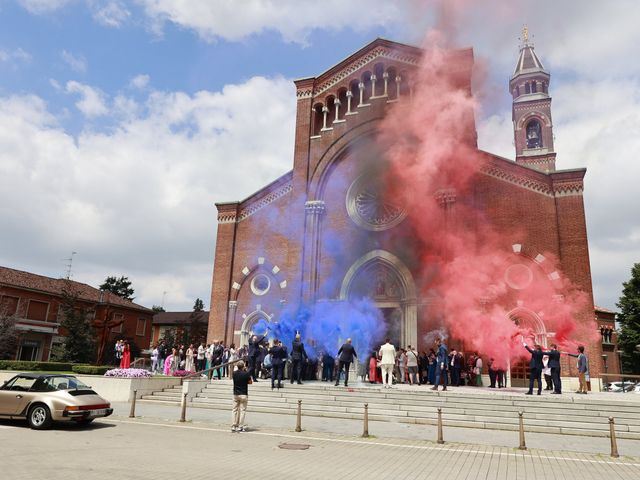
[276, 247]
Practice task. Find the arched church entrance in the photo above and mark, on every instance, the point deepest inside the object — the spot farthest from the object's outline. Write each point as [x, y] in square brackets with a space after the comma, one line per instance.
[247, 329]
[527, 321]
[384, 279]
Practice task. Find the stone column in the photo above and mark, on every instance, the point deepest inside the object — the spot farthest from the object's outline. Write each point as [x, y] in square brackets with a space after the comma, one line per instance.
[314, 210]
[398, 80]
[349, 97]
[373, 85]
[337, 104]
[385, 76]
[231, 315]
[325, 111]
[361, 87]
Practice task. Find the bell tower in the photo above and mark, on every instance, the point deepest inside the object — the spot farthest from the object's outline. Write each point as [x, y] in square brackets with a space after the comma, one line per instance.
[531, 113]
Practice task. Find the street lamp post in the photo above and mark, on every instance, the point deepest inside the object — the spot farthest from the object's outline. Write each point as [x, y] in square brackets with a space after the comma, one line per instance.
[604, 363]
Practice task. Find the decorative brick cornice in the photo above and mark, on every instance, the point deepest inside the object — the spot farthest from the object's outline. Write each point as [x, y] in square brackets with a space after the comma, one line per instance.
[248, 210]
[568, 189]
[552, 188]
[529, 183]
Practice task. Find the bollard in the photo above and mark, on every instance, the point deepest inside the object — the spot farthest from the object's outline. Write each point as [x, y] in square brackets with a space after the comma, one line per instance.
[523, 445]
[440, 439]
[132, 412]
[614, 444]
[183, 415]
[299, 418]
[365, 432]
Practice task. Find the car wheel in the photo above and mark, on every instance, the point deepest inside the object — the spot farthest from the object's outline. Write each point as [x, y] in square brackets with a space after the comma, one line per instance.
[39, 417]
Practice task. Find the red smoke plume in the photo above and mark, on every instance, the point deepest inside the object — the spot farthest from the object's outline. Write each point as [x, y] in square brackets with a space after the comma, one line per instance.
[493, 296]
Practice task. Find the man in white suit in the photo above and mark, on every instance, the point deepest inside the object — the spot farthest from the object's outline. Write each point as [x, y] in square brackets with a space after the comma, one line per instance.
[387, 356]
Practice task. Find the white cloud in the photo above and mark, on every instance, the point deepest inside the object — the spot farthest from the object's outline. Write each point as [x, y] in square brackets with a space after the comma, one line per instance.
[43, 6]
[293, 19]
[113, 14]
[139, 81]
[78, 63]
[92, 101]
[16, 55]
[138, 199]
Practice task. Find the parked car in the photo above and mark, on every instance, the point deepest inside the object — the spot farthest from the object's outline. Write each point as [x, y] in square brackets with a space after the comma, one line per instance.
[616, 387]
[45, 398]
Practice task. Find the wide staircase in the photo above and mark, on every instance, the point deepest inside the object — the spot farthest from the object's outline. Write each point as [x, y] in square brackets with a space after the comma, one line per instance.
[569, 414]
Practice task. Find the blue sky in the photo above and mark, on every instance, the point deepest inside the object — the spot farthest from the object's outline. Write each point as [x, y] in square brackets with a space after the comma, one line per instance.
[122, 122]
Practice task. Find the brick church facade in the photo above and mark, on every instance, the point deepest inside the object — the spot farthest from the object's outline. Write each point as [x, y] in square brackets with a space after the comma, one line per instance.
[274, 247]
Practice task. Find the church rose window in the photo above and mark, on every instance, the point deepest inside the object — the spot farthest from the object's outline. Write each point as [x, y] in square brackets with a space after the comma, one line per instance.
[260, 284]
[369, 208]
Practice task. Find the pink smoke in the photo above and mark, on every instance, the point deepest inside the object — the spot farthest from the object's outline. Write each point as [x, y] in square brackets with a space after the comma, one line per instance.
[430, 143]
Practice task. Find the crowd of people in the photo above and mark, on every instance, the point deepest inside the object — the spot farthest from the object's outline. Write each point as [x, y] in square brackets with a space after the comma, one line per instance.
[386, 365]
[195, 358]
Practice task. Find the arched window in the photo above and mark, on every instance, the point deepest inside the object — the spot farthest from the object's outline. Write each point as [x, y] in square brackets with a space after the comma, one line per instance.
[534, 134]
[342, 97]
[404, 84]
[534, 87]
[317, 118]
[366, 79]
[544, 87]
[527, 88]
[392, 87]
[517, 90]
[331, 115]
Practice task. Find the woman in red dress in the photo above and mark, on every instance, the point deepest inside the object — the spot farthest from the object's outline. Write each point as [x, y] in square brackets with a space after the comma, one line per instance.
[126, 356]
[373, 368]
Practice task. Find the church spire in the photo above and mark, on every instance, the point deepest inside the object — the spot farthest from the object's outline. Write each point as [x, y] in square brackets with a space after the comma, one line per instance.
[533, 129]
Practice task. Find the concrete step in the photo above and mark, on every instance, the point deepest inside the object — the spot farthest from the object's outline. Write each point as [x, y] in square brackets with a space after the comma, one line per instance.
[491, 423]
[536, 409]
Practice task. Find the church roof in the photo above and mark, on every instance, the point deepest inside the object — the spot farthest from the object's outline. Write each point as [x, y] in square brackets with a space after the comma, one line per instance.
[56, 286]
[528, 62]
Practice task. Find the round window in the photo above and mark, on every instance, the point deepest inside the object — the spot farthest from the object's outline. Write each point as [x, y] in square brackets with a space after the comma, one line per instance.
[260, 284]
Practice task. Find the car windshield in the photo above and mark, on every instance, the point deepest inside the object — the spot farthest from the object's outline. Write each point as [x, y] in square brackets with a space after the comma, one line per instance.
[63, 383]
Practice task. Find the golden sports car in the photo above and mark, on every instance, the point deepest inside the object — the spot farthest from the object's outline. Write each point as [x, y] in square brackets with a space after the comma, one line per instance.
[45, 398]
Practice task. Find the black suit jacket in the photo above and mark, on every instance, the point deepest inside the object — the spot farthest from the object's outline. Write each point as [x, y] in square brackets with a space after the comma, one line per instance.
[254, 347]
[554, 358]
[278, 355]
[297, 351]
[346, 353]
[536, 358]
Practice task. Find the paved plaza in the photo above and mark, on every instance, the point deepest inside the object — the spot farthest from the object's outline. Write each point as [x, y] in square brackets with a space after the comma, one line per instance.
[155, 445]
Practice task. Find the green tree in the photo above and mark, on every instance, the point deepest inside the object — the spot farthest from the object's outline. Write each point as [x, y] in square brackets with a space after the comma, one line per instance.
[118, 286]
[198, 306]
[9, 337]
[77, 320]
[169, 337]
[157, 309]
[629, 319]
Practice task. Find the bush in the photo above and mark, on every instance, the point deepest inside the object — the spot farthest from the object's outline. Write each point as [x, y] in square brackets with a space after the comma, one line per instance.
[128, 373]
[182, 373]
[35, 366]
[90, 369]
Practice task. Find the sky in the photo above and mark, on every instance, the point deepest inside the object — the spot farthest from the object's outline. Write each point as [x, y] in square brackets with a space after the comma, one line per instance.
[123, 122]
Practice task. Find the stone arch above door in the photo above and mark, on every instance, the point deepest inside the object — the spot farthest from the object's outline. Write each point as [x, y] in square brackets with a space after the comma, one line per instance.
[391, 286]
[530, 320]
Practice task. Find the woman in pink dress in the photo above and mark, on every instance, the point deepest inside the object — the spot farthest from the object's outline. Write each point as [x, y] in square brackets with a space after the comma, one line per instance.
[168, 362]
[126, 356]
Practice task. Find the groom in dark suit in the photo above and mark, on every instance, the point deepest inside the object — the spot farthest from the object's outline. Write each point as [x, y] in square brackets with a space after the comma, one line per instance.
[535, 367]
[346, 355]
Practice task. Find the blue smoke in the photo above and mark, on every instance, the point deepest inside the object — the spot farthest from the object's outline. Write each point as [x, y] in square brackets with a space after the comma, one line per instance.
[327, 326]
